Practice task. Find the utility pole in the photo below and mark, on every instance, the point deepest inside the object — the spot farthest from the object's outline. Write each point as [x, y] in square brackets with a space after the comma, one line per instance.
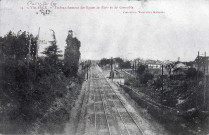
[36, 56]
[135, 66]
[198, 65]
[87, 70]
[197, 79]
[111, 72]
[204, 77]
[111, 64]
[138, 63]
[162, 86]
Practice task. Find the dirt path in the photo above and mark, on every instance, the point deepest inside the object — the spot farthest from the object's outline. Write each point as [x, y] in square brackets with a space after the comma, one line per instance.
[76, 112]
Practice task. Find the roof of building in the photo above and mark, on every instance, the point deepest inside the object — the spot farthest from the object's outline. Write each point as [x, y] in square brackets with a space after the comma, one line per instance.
[201, 59]
[180, 65]
[156, 62]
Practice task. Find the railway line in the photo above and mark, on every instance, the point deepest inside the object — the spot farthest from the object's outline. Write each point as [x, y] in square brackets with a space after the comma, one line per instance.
[103, 112]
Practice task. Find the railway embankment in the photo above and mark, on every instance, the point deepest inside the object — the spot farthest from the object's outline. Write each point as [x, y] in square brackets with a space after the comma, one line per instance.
[171, 118]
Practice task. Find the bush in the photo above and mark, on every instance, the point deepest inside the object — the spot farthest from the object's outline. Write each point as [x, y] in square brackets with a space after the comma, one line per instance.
[192, 73]
[146, 77]
[158, 83]
[141, 69]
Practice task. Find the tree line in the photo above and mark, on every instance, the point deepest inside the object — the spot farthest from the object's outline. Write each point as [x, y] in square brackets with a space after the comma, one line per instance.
[29, 84]
[121, 63]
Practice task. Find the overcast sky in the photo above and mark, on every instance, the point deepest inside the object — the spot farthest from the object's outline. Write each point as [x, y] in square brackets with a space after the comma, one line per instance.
[181, 31]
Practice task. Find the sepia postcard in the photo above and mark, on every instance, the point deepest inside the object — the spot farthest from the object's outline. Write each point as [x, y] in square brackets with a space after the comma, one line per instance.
[104, 67]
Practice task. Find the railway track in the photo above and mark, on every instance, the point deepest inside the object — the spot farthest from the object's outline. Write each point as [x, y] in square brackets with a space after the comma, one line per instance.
[126, 115]
[105, 114]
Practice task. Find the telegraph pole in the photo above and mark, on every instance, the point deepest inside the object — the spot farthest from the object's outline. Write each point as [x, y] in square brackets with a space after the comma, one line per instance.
[198, 65]
[162, 86]
[135, 66]
[197, 79]
[87, 70]
[111, 64]
[36, 56]
[204, 77]
[138, 63]
[111, 72]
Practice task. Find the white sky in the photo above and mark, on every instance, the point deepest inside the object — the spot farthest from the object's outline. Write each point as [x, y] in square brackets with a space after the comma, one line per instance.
[180, 32]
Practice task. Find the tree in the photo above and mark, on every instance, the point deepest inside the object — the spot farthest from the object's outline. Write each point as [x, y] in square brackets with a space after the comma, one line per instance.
[24, 100]
[158, 82]
[146, 77]
[15, 89]
[126, 64]
[141, 69]
[118, 60]
[71, 55]
[52, 52]
[15, 46]
[104, 62]
[192, 73]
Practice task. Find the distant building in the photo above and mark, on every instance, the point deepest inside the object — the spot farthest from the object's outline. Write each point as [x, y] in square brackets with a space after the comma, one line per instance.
[118, 74]
[201, 64]
[115, 65]
[190, 64]
[119, 81]
[107, 66]
[152, 64]
[180, 65]
[179, 68]
[118, 77]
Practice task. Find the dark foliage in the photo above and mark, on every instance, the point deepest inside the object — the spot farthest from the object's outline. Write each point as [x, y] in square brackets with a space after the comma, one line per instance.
[141, 69]
[191, 73]
[52, 53]
[71, 56]
[29, 85]
[118, 60]
[104, 62]
[126, 64]
[158, 83]
[146, 77]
